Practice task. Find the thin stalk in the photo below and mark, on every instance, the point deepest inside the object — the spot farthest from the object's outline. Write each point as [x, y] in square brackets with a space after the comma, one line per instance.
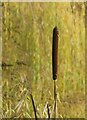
[48, 111]
[33, 106]
[55, 99]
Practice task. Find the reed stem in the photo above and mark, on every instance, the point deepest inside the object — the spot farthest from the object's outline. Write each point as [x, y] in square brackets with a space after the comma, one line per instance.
[55, 99]
[48, 111]
[33, 106]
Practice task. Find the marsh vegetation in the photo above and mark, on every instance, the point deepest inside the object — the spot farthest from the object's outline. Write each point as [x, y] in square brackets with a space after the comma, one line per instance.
[27, 59]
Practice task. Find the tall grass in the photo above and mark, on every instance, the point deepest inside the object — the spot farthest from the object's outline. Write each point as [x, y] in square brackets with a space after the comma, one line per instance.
[30, 26]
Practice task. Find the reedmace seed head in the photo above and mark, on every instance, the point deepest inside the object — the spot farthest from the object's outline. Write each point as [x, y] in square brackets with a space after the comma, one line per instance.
[55, 53]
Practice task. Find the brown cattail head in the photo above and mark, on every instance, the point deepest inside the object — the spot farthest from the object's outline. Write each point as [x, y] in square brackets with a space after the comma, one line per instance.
[55, 53]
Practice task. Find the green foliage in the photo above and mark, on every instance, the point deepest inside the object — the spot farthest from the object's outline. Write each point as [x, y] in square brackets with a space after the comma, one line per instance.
[27, 37]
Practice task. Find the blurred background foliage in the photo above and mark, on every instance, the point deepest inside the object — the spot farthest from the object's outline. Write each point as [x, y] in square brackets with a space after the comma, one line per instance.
[27, 61]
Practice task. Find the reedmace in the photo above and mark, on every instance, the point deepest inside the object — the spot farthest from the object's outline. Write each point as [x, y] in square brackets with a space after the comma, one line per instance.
[55, 53]
[55, 65]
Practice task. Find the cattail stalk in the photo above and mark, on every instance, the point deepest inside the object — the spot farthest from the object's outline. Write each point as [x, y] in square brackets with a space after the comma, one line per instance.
[55, 64]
